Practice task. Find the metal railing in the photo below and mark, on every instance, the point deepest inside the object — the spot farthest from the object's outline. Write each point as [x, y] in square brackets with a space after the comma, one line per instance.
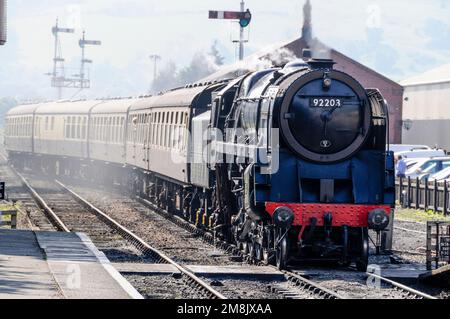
[423, 194]
[8, 218]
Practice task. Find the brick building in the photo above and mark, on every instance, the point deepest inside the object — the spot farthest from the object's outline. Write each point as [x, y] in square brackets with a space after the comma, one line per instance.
[391, 90]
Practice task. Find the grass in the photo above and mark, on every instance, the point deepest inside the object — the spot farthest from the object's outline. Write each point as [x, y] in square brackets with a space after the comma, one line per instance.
[420, 215]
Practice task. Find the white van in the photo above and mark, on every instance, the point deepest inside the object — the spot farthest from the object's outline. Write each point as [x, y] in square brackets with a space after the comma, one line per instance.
[421, 154]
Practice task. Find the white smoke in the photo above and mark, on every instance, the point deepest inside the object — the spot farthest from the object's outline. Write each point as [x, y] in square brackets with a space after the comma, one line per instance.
[274, 56]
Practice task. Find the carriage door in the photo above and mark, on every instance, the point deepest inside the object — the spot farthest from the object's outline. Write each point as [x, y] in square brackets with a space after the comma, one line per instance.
[147, 139]
[134, 131]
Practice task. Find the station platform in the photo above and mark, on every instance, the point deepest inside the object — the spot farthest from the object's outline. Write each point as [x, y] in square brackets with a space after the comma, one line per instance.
[56, 265]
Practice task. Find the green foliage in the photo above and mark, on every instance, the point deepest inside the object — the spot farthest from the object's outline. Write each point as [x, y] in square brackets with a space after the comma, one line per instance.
[420, 215]
[200, 67]
[6, 104]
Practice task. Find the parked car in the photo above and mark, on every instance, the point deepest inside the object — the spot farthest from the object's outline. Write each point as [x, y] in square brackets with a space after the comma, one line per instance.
[396, 148]
[428, 166]
[410, 162]
[421, 154]
[441, 176]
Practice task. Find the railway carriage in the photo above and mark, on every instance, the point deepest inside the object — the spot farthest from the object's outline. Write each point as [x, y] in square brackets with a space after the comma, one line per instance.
[19, 128]
[107, 131]
[288, 163]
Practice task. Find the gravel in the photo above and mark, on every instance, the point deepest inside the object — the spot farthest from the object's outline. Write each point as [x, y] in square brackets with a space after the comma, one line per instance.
[162, 287]
[179, 244]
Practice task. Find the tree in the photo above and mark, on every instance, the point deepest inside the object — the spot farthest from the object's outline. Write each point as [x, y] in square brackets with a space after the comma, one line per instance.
[166, 79]
[201, 66]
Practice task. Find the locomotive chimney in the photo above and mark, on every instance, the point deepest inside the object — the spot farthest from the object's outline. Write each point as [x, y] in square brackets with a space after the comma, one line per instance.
[321, 63]
[307, 23]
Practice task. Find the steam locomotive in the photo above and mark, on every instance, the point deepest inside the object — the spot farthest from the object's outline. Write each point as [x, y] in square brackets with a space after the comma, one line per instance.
[289, 163]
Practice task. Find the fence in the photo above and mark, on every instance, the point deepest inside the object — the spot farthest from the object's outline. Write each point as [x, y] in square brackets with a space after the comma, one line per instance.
[438, 244]
[423, 194]
[8, 218]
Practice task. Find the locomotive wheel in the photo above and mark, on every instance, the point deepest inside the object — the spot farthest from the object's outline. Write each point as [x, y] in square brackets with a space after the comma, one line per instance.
[251, 249]
[282, 254]
[265, 256]
[258, 251]
[245, 248]
[363, 261]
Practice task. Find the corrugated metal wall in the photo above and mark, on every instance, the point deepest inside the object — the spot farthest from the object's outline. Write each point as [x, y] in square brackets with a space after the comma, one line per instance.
[2, 22]
[427, 107]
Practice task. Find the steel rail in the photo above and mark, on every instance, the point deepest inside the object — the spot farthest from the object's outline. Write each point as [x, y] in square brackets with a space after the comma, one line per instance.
[410, 291]
[294, 278]
[311, 286]
[141, 244]
[51, 215]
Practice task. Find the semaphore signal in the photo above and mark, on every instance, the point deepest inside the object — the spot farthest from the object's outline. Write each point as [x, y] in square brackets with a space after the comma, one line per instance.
[244, 17]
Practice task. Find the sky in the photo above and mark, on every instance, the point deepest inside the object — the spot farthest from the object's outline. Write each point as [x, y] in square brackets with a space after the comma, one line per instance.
[398, 38]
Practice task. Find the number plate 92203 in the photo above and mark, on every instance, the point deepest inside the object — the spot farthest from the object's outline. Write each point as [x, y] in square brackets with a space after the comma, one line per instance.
[326, 102]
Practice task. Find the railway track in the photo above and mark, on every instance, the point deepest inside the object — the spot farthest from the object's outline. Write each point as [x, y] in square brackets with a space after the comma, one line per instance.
[292, 276]
[34, 216]
[292, 287]
[296, 279]
[311, 288]
[410, 293]
[74, 213]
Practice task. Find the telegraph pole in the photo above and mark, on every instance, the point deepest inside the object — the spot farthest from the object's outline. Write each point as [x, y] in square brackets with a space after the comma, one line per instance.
[155, 59]
[244, 17]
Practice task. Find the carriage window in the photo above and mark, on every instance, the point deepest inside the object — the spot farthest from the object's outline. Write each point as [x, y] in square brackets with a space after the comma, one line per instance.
[52, 125]
[108, 129]
[72, 127]
[78, 127]
[83, 128]
[118, 127]
[93, 128]
[103, 137]
[163, 129]
[122, 129]
[138, 128]
[69, 126]
[98, 128]
[141, 126]
[46, 123]
[113, 129]
[141, 133]
[166, 119]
